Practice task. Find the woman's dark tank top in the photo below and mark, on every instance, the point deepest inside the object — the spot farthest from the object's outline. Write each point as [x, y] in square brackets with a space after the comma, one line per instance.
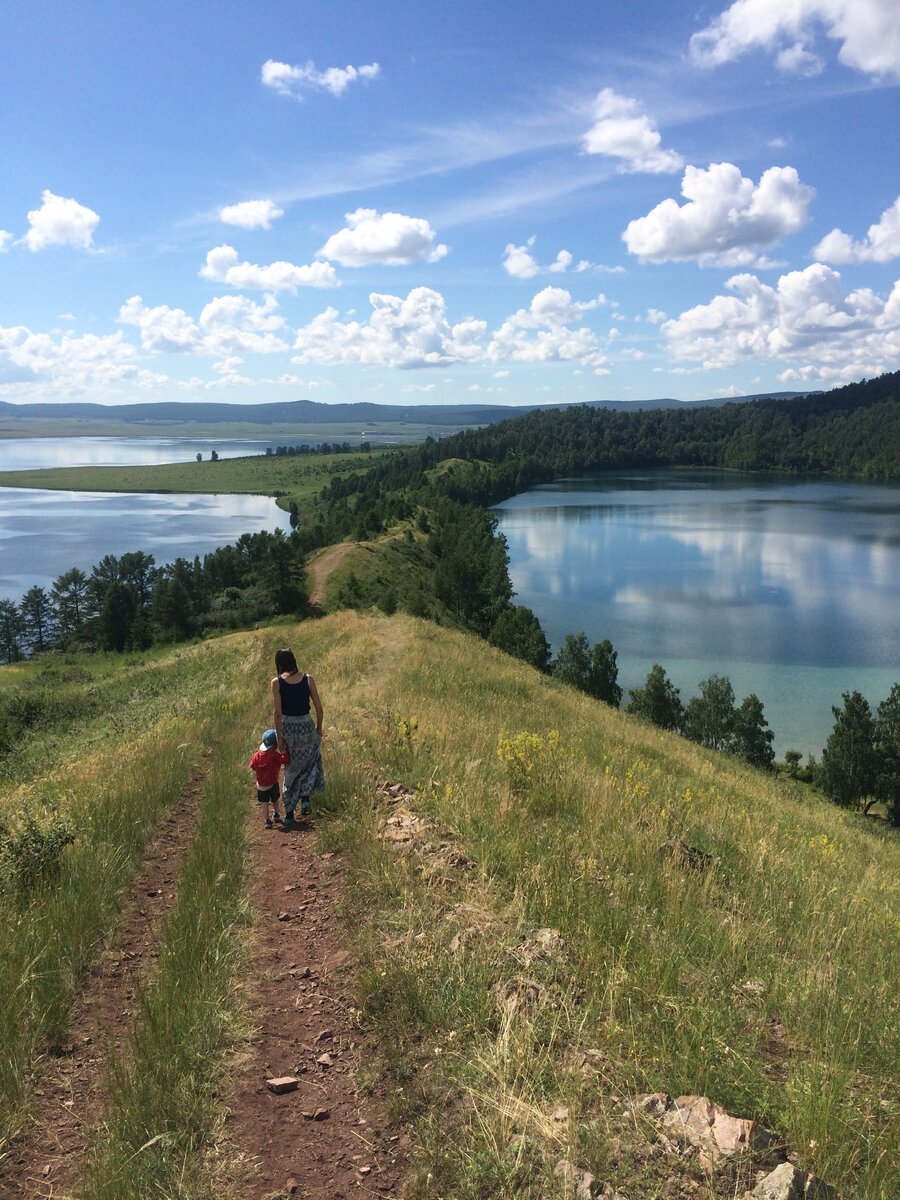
[294, 697]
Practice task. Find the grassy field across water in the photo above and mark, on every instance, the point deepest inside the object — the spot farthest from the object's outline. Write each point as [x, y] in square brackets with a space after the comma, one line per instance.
[287, 477]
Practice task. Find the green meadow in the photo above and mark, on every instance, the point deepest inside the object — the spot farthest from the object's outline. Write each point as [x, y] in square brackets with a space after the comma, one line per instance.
[532, 945]
[287, 477]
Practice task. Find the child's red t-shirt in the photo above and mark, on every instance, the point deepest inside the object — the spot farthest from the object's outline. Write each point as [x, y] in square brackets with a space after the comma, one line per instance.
[267, 764]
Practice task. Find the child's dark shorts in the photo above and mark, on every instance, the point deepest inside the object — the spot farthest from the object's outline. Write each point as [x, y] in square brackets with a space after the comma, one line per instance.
[268, 795]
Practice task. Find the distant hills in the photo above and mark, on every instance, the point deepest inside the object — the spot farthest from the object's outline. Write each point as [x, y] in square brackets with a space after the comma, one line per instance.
[309, 412]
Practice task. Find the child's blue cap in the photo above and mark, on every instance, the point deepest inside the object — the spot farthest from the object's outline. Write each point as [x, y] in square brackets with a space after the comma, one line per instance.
[270, 739]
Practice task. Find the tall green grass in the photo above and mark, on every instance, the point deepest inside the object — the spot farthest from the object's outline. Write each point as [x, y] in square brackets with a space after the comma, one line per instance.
[162, 1104]
[115, 780]
[50, 939]
[765, 980]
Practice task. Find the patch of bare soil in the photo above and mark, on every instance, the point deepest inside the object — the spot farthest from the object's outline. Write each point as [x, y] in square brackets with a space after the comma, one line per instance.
[321, 567]
[327, 1137]
[68, 1084]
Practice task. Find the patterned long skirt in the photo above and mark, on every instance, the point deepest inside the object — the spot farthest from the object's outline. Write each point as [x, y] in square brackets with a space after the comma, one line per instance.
[304, 774]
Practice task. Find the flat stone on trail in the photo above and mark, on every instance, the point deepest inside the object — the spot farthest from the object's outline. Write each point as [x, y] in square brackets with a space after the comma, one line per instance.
[283, 1083]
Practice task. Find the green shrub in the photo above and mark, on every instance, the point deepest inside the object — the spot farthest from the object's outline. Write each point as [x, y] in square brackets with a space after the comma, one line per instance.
[31, 854]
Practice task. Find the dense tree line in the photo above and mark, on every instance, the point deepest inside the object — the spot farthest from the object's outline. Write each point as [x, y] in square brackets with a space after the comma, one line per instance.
[129, 602]
[461, 571]
[710, 718]
[851, 431]
[321, 448]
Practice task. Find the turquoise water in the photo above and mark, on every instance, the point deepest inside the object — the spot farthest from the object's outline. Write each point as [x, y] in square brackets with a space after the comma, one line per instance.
[791, 588]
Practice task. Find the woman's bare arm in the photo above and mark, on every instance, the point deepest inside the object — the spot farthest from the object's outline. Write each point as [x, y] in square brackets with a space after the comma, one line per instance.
[276, 700]
[317, 703]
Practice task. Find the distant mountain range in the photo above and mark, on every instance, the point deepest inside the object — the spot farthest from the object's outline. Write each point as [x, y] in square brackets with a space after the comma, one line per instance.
[308, 412]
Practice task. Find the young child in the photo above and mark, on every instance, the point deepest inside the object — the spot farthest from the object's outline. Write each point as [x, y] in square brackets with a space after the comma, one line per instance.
[266, 763]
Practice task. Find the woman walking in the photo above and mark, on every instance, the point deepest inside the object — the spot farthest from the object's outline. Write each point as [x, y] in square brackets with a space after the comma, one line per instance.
[292, 692]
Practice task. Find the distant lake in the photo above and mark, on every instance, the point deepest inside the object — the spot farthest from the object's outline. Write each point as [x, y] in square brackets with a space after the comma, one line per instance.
[790, 588]
[27, 454]
[43, 533]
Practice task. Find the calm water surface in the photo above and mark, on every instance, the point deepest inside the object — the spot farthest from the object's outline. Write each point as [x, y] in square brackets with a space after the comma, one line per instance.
[790, 588]
[31, 454]
[43, 533]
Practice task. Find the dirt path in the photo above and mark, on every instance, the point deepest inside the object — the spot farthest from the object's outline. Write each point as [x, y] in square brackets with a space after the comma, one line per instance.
[326, 1139]
[46, 1161]
[321, 567]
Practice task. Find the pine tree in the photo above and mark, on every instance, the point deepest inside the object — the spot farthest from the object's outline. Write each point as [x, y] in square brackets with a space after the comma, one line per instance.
[849, 762]
[887, 749]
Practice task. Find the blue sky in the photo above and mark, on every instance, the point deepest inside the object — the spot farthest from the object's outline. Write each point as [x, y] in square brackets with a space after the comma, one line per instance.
[513, 202]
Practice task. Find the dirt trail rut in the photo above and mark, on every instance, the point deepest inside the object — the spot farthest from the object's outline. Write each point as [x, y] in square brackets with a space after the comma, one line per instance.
[325, 1139]
[46, 1161]
[321, 567]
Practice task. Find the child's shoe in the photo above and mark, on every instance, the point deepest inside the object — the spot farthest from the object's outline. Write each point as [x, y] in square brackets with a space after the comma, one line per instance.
[276, 816]
[268, 822]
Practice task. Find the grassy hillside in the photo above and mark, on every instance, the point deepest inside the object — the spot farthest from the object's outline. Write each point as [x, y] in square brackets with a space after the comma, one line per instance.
[536, 943]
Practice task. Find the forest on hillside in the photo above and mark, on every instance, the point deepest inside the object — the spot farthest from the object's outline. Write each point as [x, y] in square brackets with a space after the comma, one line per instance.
[853, 431]
[451, 565]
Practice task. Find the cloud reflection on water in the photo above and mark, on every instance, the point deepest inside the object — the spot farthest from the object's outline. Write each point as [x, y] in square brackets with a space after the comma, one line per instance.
[714, 570]
[43, 533]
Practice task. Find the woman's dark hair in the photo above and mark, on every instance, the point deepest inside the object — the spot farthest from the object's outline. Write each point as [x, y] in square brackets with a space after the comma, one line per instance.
[285, 663]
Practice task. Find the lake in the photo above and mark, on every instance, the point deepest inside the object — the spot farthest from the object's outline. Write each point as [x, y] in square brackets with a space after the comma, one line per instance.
[790, 588]
[43, 533]
[30, 454]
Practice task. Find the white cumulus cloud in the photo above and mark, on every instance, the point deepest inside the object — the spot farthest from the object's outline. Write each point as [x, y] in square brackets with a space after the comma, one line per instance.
[868, 32]
[543, 332]
[60, 222]
[293, 81]
[520, 263]
[726, 220]
[5, 239]
[881, 244]
[223, 265]
[807, 320]
[410, 332]
[390, 238]
[415, 331]
[68, 362]
[622, 131]
[227, 326]
[251, 214]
